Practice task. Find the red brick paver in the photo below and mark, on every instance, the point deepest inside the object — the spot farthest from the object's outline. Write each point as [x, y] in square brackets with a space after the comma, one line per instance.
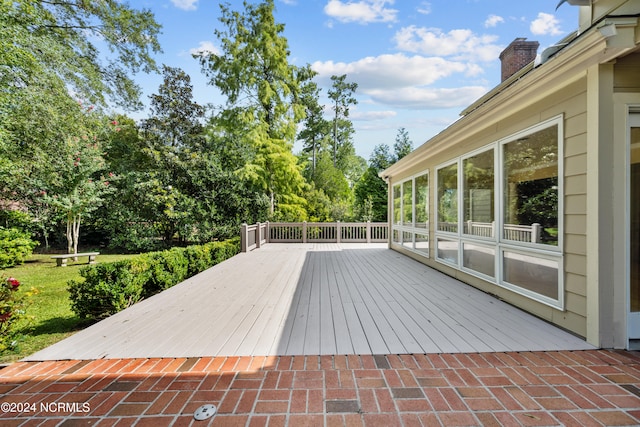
[581, 388]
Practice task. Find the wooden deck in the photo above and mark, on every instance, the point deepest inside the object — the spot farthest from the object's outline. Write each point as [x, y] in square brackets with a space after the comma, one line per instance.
[314, 299]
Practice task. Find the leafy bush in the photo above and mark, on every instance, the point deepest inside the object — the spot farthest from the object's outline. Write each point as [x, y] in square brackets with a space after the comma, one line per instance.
[15, 247]
[13, 306]
[16, 219]
[167, 268]
[106, 289]
[111, 287]
[199, 258]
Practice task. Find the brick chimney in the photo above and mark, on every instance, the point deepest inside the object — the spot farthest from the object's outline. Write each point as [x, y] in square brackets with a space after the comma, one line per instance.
[518, 54]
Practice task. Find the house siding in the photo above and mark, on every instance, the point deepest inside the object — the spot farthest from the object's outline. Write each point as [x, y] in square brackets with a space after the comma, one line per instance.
[626, 72]
[575, 212]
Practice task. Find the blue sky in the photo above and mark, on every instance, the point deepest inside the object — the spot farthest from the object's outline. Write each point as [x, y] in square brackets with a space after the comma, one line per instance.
[417, 64]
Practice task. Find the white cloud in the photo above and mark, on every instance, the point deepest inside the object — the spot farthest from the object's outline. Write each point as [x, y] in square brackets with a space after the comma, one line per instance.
[368, 116]
[392, 71]
[459, 44]
[204, 48]
[546, 24]
[402, 81]
[362, 12]
[493, 20]
[185, 4]
[424, 8]
[425, 98]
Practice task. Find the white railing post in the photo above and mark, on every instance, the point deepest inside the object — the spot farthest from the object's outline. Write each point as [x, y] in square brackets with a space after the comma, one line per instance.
[368, 231]
[258, 235]
[338, 232]
[244, 237]
[304, 232]
[267, 232]
[535, 232]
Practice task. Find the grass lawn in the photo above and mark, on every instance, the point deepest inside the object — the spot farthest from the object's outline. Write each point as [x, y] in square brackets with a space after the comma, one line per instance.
[51, 308]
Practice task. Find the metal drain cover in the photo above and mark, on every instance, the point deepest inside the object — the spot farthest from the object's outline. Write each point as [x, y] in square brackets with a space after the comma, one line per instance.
[205, 412]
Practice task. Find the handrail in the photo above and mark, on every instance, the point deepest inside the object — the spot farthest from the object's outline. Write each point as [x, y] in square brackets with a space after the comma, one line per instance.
[312, 232]
[253, 236]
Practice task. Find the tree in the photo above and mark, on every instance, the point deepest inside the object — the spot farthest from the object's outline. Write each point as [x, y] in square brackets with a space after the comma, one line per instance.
[175, 118]
[341, 93]
[381, 158]
[173, 136]
[330, 180]
[42, 39]
[129, 223]
[370, 196]
[403, 144]
[49, 62]
[81, 186]
[316, 131]
[371, 191]
[80, 182]
[37, 125]
[263, 99]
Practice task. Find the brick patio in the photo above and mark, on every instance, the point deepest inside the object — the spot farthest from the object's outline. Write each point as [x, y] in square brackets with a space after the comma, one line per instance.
[572, 388]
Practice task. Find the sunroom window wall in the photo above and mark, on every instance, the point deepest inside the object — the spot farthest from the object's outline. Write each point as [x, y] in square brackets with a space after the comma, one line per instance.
[410, 226]
[515, 240]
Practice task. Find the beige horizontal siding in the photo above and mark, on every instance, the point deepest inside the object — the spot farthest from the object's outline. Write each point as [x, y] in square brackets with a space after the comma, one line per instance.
[627, 70]
[575, 266]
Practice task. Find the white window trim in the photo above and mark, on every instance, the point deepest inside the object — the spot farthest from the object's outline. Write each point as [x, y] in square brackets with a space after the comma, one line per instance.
[536, 249]
[401, 228]
[486, 244]
[496, 205]
[559, 303]
[558, 120]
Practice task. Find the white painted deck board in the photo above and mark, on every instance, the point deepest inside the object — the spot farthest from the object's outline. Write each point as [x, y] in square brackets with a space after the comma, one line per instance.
[292, 299]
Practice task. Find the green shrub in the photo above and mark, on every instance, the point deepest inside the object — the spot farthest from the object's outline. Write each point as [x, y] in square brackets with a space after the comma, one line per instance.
[225, 250]
[198, 258]
[16, 219]
[167, 269]
[106, 289]
[15, 247]
[111, 287]
[13, 304]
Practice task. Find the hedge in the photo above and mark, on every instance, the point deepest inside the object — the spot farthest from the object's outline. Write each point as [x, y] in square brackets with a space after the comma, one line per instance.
[15, 247]
[111, 287]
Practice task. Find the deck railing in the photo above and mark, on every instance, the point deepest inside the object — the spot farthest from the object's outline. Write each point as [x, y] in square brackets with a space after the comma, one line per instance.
[518, 232]
[255, 235]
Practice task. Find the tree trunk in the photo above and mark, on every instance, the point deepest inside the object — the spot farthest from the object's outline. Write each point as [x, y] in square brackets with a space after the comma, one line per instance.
[45, 234]
[335, 140]
[69, 233]
[76, 234]
[73, 233]
[272, 198]
[313, 169]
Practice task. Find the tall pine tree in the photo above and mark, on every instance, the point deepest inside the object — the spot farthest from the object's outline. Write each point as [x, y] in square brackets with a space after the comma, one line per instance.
[263, 100]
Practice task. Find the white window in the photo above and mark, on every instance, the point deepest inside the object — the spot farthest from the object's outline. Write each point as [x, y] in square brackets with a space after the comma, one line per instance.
[530, 188]
[448, 198]
[411, 214]
[478, 186]
[514, 240]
